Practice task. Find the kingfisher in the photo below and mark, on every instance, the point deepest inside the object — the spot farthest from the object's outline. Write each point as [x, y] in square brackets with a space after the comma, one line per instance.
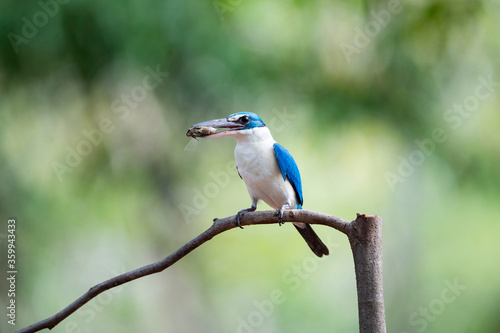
[267, 168]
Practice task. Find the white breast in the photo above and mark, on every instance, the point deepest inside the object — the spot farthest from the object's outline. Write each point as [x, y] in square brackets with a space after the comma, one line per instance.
[259, 169]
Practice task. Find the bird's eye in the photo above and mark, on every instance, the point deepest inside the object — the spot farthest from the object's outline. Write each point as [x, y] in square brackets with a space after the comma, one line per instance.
[245, 119]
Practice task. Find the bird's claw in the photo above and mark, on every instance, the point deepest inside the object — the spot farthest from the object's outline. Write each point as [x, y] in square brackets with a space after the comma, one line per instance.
[238, 219]
[279, 213]
[241, 212]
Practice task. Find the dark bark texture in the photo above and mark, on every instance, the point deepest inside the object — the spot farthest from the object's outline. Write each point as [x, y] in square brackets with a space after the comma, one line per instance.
[365, 237]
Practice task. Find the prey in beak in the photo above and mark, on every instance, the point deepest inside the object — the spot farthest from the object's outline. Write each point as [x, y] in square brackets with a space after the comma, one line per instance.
[216, 128]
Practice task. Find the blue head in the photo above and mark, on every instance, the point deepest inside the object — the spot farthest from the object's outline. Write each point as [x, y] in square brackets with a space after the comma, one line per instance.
[232, 124]
[249, 119]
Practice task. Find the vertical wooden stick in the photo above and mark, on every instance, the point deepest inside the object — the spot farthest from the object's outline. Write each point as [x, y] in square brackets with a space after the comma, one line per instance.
[365, 237]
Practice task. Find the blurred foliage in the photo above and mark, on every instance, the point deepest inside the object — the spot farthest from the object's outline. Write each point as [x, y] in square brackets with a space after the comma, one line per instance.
[350, 119]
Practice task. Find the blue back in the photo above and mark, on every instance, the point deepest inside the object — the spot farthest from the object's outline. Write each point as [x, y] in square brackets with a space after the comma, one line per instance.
[289, 169]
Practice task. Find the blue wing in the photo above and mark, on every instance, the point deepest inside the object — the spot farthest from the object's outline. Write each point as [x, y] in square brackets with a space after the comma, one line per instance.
[289, 169]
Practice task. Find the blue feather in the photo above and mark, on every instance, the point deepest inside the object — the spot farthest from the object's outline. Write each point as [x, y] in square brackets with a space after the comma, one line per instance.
[255, 120]
[289, 169]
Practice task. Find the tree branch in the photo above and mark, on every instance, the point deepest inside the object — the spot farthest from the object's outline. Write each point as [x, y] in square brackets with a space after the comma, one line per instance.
[365, 238]
[352, 230]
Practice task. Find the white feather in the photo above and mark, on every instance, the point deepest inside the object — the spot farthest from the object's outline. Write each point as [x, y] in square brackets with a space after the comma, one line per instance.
[259, 169]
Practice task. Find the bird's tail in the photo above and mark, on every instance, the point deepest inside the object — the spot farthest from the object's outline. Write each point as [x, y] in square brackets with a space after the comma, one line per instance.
[315, 243]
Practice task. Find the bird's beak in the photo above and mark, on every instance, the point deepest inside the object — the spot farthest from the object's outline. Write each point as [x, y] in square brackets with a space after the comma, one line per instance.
[210, 128]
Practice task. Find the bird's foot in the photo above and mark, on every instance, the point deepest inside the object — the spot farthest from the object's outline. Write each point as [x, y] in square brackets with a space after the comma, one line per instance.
[241, 212]
[280, 212]
[238, 218]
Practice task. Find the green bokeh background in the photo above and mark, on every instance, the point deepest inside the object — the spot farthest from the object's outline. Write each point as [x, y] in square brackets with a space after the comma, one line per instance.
[350, 118]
